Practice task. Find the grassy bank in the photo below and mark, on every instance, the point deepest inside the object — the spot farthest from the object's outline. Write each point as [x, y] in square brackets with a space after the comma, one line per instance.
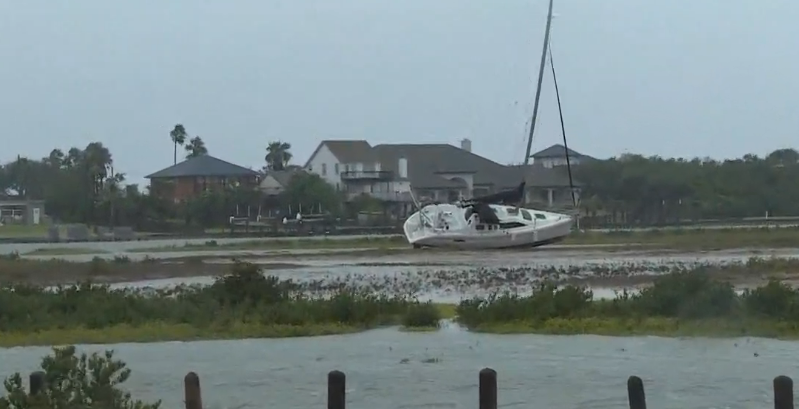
[677, 304]
[242, 304]
[693, 239]
[685, 239]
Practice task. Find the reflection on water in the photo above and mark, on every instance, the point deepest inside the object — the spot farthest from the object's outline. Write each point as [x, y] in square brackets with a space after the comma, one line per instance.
[534, 371]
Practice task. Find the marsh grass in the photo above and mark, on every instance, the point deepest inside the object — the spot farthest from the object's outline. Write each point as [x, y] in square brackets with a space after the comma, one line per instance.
[694, 239]
[242, 304]
[677, 304]
[673, 238]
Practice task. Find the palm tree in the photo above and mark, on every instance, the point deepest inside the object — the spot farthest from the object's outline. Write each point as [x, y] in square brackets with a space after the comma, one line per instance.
[178, 136]
[195, 147]
[277, 155]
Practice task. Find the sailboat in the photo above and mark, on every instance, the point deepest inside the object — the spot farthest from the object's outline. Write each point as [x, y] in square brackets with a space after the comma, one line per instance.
[494, 221]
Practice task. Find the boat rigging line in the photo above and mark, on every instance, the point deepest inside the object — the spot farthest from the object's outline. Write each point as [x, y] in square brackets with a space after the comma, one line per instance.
[562, 128]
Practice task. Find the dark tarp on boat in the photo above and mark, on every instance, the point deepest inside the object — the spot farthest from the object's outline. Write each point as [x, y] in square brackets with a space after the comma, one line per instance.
[508, 197]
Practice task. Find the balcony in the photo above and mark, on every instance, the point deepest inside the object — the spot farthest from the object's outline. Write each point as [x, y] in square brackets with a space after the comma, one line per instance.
[366, 175]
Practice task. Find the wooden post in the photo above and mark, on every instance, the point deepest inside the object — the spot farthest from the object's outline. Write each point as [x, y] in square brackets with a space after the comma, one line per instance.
[488, 389]
[635, 393]
[36, 382]
[336, 390]
[783, 392]
[191, 391]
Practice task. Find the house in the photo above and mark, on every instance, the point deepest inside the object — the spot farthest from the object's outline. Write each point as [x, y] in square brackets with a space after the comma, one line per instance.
[555, 155]
[18, 210]
[274, 182]
[435, 172]
[196, 175]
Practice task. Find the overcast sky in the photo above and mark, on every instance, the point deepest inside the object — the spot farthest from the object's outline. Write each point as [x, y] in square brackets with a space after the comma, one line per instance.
[713, 78]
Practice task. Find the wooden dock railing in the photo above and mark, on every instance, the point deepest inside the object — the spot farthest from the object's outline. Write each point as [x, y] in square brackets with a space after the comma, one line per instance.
[487, 395]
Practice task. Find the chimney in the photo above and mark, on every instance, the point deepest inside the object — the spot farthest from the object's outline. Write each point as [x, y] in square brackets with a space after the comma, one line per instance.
[402, 168]
[466, 144]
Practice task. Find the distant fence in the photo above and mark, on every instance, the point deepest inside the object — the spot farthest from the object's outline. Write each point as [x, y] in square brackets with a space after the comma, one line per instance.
[487, 390]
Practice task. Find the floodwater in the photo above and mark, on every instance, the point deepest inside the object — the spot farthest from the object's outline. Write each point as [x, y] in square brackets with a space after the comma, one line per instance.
[387, 368]
[391, 369]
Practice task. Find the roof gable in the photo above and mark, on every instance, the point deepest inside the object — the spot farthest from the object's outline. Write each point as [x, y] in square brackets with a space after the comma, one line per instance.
[347, 151]
[204, 165]
[556, 151]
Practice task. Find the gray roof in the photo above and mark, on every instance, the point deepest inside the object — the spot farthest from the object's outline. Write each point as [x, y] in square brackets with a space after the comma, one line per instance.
[204, 165]
[556, 151]
[348, 151]
[284, 176]
[426, 163]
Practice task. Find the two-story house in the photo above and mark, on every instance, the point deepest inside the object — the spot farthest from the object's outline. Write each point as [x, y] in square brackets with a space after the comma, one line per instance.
[555, 156]
[436, 172]
[199, 174]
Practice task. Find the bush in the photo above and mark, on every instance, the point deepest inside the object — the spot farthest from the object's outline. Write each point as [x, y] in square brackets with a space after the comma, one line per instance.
[680, 295]
[422, 315]
[73, 381]
[244, 296]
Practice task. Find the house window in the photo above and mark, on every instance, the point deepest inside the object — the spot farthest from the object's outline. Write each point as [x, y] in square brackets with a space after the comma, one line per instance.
[336, 168]
[324, 169]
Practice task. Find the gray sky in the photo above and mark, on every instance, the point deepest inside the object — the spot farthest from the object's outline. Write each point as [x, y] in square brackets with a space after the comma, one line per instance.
[713, 78]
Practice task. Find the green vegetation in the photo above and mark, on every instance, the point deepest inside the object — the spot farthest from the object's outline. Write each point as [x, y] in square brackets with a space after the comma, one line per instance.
[79, 185]
[636, 190]
[23, 231]
[75, 381]
[241, 304]
[685, 239]
[694, 239]
[686, 303]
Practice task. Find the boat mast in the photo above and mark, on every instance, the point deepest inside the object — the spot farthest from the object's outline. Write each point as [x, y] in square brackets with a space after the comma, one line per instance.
[540, 81]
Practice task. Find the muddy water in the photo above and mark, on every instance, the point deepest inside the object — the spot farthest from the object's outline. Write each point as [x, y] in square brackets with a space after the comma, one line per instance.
[388, 369]
[445, 277]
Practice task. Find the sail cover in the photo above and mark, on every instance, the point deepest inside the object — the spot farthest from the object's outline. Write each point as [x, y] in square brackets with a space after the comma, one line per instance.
[507, 197]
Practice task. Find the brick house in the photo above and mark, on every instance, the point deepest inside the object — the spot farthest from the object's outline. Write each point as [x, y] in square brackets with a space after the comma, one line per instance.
[196, 175]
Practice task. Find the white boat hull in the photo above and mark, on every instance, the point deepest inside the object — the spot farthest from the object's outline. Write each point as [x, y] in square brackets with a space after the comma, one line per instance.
[446, 226]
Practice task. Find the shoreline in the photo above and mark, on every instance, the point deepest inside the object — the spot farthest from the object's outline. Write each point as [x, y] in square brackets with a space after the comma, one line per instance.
[685, 239]
[594, 270]
[613, 327]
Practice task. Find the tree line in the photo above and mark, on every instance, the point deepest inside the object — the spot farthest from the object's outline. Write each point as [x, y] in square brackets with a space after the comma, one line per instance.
[634, 189]
[80, 185]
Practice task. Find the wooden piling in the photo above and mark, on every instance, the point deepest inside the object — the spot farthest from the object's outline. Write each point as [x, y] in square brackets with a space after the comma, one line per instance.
[36, 382]
[783, 392]
[336, 390]
[635, 393]
[191, 391]
[488, 389]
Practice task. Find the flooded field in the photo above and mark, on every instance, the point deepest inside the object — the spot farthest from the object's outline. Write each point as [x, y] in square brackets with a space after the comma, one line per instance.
[392, 370]
[450, 277]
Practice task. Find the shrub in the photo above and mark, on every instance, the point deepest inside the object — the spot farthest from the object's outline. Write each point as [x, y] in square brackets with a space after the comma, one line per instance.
[73, 381]
[421, 315]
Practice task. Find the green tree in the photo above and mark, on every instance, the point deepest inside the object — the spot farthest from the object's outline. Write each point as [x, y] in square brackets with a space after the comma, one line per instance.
[178, 136]
[277, 155]
[75, 381]
[309, 191]
[196, 147]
